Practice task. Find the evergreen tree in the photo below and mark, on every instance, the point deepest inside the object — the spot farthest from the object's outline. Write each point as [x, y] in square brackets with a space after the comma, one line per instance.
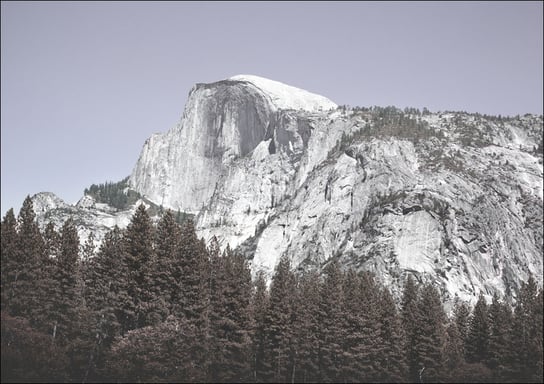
[89, 248]
[52, 241]
[161, 353]
[10, 268]
[453, 351]
[500, 322]
[230, 320]
[163, 282]
[355, 351]
[306, 327]
[28, 355]
[409, 317]
[259, 310]
[139, 260]
[393, 365]
[461, 313]
[72, 323]
[527, 335]
[106, 295]
[26, 290]
[373, 345]
[279, 354]
[191, 268]
[478, 335]
[46, 313]
[329, 318]
[430, 334]
[66, 300]
[106, 286]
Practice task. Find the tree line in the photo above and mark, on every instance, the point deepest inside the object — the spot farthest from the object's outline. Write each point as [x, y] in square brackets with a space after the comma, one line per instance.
[117, 195]
[156, 304]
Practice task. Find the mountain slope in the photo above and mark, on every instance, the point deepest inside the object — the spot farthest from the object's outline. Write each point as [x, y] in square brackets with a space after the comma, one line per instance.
[270, 169]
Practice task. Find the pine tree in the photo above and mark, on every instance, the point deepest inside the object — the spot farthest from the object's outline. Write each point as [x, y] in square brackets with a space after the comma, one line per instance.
[28, 355]
[306, 328]
[139, 260]
[453, 351]
[52, 241]
[161, 353]
[430, 334]
[28, 287]
[66, 300]
[8, 247]
[89, 248]
[46, 314]
[500, 322]
[461, 313]
[354, 341]
[478, 335]
[72, 322]
[230, 320]
[259, 310]
[106, 294]
[373, 345]
[329, 318]
[106, 286]
[191, 270]
[279, 353]
[409, 317]
[393, 365]
[24, 299]
[527, 340]
[163, 282]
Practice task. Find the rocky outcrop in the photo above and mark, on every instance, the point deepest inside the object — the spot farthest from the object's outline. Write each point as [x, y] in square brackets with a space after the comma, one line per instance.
[88, 215]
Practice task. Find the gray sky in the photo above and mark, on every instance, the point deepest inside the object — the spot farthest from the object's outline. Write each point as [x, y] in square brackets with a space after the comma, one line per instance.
[84, 84]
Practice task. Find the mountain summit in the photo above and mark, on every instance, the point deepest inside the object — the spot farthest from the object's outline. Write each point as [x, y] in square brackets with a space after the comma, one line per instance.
[222, 121]
[285, 96]
[450, 197]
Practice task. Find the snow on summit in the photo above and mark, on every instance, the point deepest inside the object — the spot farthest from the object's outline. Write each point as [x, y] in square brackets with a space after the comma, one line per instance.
[284, 96]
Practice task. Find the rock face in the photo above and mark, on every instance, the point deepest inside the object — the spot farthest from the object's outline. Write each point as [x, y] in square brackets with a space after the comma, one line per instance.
[452, 198]
[222, 122]
[88, 215]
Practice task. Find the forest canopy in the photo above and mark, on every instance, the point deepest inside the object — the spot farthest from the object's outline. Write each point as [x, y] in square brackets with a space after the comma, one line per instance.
[155, 303]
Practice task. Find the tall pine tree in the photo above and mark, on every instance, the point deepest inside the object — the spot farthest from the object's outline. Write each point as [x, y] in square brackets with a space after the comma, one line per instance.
[306, 327]
[478, 334]
[66, 280]
[409, 322]
[164, 285]
[461, 313]
[430, 334]
[279, 352]
[139, 260]
[106, 295]
[354, 335]
[230, 320]
[500, 323]
[10, 259]
[25, 297]
[527, 335]
[259, 310]
[393, 361]
[329, 318]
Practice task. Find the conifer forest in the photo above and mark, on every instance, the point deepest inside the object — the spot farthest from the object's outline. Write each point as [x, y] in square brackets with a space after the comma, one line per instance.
[154, 303]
